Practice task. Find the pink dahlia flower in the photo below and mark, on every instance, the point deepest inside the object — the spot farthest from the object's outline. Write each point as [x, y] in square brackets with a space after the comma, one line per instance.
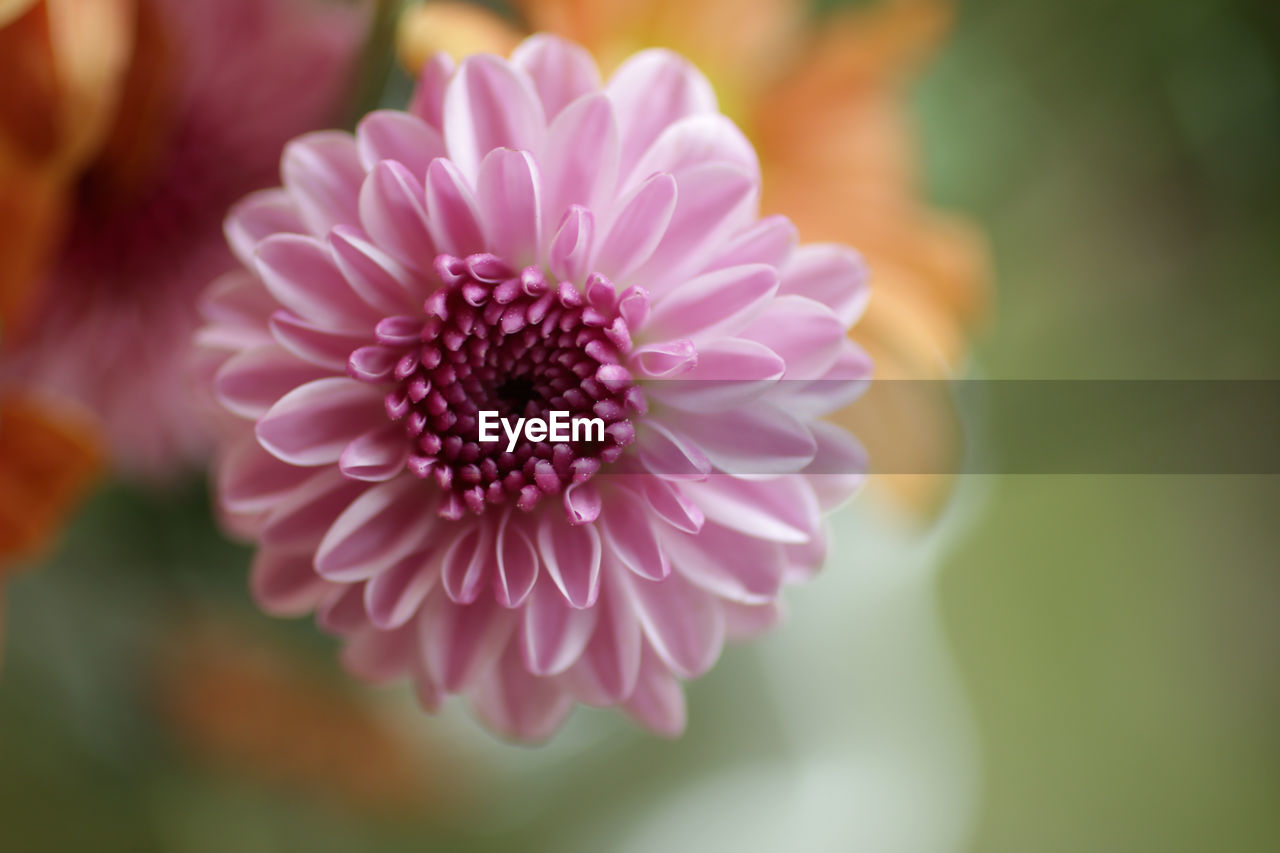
[527, 240]
[214, 89]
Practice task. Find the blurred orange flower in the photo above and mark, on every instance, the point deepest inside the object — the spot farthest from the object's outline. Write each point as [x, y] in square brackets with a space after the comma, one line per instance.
[823, 100]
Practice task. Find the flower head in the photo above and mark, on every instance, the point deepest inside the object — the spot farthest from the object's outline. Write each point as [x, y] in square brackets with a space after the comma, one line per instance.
[198, 98]
[524, 241]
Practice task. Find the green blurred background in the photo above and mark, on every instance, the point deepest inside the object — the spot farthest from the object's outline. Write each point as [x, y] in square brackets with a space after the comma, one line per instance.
[1071, 663]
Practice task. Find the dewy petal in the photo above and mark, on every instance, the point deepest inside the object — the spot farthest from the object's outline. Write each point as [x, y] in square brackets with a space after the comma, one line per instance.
[553, 634]
[314, 423]
[571, 556]
[300, 273]
[489, 105]
[322, 174]
[579, 160]
[639, 227]
[561, 71]
[452, 216]
[258, 216]
[378, 529]
[508, 196]
[682, 623]
[394, 135]
[832, 274]
[652, 90]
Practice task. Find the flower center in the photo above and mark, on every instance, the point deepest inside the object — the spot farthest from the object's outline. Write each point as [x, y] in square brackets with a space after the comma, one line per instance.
[494, 340]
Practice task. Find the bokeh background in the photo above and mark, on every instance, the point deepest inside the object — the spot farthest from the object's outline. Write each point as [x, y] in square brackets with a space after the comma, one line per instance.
[1055, 663]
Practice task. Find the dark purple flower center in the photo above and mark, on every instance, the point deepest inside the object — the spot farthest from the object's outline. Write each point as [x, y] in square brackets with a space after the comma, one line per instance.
[494, 340]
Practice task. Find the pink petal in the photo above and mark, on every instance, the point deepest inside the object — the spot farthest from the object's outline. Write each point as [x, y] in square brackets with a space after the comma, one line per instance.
[669, 503]
[489, 105]
[747, 621]
[770, 241]
[606, 672]
[378, 529]
[665, 360]
[782, 509]
[657, 702]
[553, 634]
[468, 562]
[403, 137]
[252, 480]
[561, 71]
[520, 705]
[668, 454]
[805, 333]
[651, 91]
[508, 198]
[393, 597]
[428, 98]
[639, 227]
[729, 565]
[762, 439]
[579, 161]
[630, 538]
[300, 521]
[571, 556]
[730, 372]
[838, 387]
[839, 466]
[571, 248]
[322, 173]
[376, 455]
[300, 274]
[452, 216]
[393, 211]
[286, 584]
[377, 656]
[313, 424]
[461, 642]
[582, 503]
[251, 382]
[517, 563]
[376, 277]
[694, 141]
[683, 624]
[239, 301]
[257, 216]
[316, 345]
[832, 274]
[343, 613]
[714, 202]
[718, 301]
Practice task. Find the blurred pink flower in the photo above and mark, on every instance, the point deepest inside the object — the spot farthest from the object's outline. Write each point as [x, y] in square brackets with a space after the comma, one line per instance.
[526, 240]
[213, 90]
